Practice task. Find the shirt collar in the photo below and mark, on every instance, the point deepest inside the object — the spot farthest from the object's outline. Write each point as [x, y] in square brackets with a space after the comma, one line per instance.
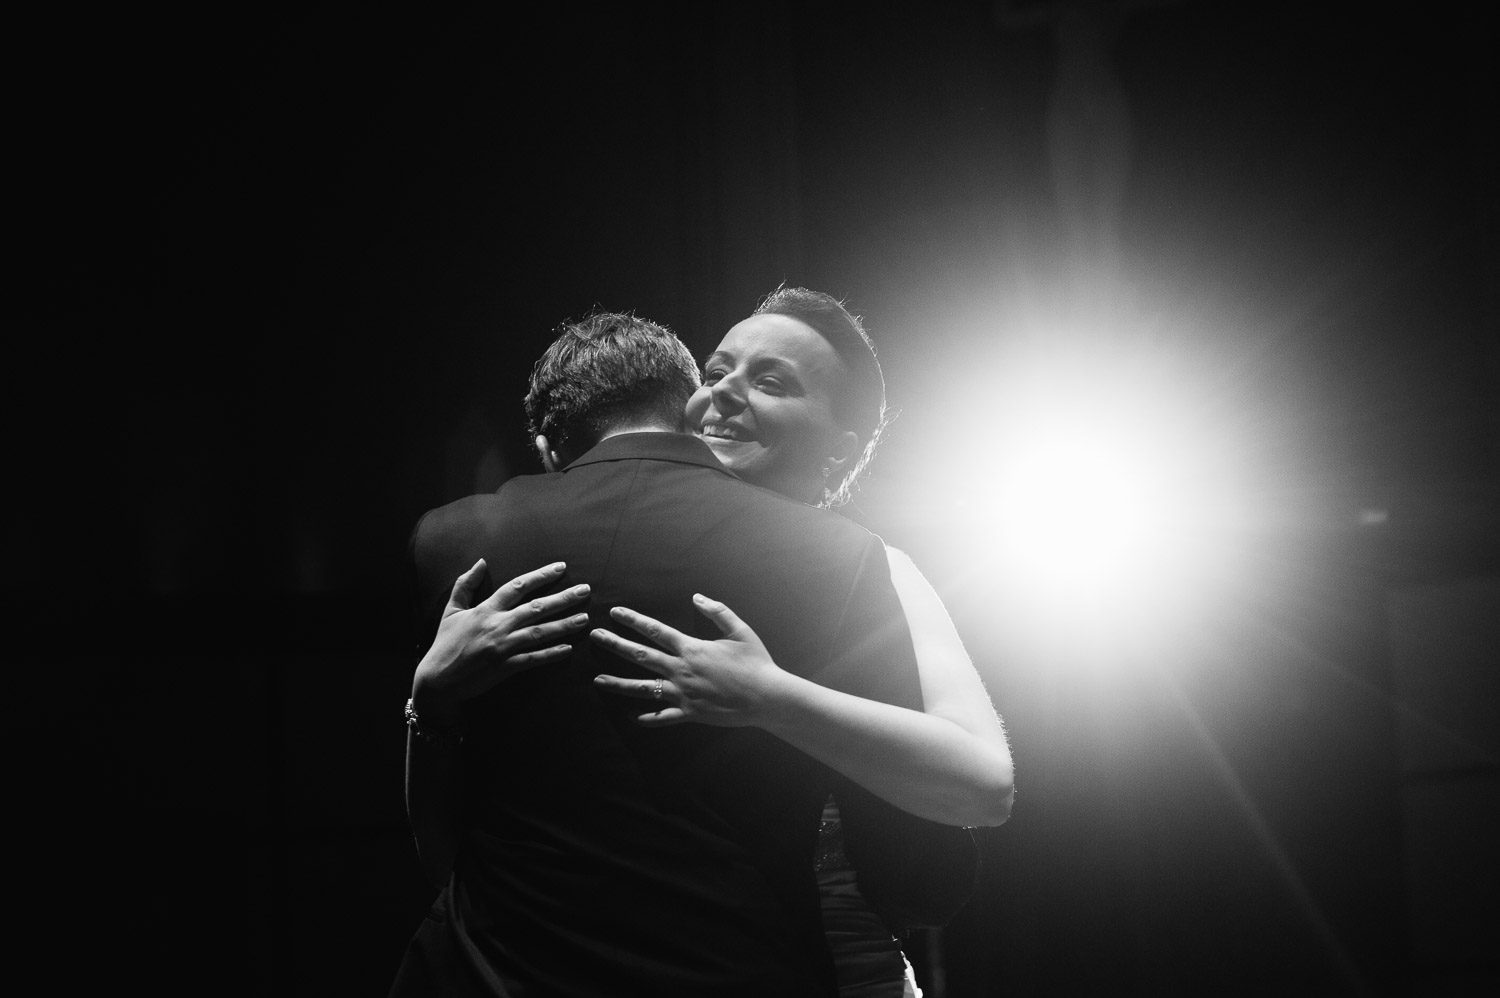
[683, 448]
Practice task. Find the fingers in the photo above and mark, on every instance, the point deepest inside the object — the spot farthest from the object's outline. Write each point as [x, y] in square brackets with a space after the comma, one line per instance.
[646, 689]
[544, 633]
[527, 659]
[462, 596]
[662, 718]
[513, 592]
[647, 658]
[724, 618]
[659, 633]
[550, 606]
[640, 689]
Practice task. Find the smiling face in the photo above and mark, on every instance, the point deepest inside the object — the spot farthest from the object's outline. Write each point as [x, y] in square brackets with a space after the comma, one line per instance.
[766, 407]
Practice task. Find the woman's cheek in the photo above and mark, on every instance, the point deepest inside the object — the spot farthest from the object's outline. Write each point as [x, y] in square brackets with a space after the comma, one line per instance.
[696, 407]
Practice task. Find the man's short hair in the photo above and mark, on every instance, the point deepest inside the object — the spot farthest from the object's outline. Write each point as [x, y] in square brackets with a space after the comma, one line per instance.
[606, 370]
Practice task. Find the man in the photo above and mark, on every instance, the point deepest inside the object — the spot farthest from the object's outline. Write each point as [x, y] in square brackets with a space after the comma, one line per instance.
[592, 856]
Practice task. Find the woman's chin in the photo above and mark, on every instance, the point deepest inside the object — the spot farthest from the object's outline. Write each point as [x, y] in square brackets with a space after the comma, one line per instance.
[736, 455]
[743, 457]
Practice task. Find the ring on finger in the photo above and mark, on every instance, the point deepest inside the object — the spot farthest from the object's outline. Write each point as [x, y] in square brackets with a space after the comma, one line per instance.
[656, 690]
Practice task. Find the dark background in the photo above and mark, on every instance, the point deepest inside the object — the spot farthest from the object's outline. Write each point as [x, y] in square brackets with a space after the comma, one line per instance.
[282, 272]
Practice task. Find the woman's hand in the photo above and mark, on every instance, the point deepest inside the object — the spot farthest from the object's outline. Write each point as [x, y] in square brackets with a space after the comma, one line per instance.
[478, 646]
[728, 682]
[929, 765]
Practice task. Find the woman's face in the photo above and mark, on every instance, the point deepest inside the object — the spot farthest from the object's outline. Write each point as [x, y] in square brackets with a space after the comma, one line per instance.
[766, 406]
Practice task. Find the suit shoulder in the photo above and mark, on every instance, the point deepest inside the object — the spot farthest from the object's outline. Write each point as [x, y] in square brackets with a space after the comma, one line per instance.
[456, 517]
[823, 526]
[464, 520]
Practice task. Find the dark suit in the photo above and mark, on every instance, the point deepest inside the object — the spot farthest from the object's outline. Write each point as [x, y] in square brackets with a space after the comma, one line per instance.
[601, 858]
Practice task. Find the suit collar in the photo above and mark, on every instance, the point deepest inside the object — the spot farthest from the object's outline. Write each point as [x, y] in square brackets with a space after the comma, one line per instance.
[683, 448]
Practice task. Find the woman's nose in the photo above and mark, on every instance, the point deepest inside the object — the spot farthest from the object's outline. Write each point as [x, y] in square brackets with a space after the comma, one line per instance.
[728, 395]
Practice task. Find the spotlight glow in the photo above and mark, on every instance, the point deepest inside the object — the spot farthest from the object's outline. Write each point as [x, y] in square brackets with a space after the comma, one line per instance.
[1099, 510]
[1080, 506]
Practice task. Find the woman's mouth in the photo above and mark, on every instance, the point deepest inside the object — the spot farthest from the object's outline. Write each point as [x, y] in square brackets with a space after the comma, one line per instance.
[724, 431]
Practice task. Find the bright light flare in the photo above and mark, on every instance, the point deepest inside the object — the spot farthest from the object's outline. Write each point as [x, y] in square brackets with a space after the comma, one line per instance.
[1101, 504]
[1082, 508]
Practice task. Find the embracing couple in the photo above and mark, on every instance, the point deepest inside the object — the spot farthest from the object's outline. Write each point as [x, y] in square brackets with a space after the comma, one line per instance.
[681, 730]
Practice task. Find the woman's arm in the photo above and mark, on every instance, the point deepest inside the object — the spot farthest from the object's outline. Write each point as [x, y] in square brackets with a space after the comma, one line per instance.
[951, 687]
[476, 648]
[950, 764]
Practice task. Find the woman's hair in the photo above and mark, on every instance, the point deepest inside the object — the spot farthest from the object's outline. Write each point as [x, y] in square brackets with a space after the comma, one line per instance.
[606, 369]
[860, 404]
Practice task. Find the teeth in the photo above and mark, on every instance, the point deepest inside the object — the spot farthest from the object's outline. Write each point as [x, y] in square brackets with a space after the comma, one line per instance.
[723, 432]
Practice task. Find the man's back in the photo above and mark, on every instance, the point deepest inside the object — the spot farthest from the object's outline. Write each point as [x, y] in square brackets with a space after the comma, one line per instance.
[603, 858]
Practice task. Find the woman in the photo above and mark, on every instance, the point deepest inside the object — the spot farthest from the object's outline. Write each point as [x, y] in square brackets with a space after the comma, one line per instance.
[793, 400]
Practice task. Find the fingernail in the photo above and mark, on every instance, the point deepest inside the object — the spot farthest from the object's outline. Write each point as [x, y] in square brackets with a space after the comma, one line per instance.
[699, 598]
[557, 566]
[580, 620]
[582, 590]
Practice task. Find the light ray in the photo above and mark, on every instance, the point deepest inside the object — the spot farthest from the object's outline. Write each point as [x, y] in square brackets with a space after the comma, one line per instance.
[1291, 880]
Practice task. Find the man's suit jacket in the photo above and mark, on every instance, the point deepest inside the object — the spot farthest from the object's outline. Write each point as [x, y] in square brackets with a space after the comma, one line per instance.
[599, 857]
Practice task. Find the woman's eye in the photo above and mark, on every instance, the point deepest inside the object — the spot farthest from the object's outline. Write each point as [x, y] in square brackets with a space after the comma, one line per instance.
[771, 385]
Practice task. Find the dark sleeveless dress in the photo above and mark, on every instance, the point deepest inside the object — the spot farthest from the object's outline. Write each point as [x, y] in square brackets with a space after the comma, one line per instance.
[866, 955]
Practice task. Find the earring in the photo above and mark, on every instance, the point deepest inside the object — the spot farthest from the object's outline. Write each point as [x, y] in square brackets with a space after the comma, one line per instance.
[827, 471]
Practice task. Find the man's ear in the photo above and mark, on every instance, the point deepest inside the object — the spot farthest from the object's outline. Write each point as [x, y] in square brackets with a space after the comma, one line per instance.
[844, 450]
[549, 457]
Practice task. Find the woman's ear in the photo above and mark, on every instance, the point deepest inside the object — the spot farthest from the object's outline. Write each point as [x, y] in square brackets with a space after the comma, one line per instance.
[844, 450]
[549, 456]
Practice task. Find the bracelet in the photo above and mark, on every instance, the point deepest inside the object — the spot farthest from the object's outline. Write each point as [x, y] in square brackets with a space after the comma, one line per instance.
[446, 739]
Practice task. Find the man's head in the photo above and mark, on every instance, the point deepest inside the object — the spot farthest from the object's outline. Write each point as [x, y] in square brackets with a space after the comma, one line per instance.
[607, 373]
